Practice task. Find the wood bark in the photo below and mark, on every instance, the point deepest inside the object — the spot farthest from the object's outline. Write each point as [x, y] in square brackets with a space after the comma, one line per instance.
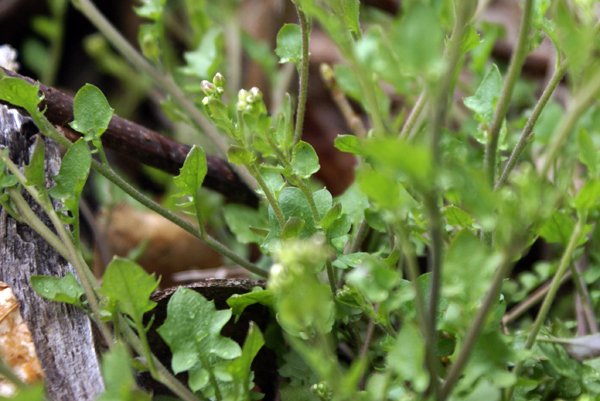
[146, 146]
[63, 335]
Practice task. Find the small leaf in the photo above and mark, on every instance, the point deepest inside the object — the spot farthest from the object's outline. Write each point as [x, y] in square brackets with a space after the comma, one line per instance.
[292, 228]
[118, 377]
[240, 368]
[128, 284]
[305, 161]
[191, 175]
[203, 61]
[588, 153]
[470, 40]
[151, 9]
[242, 220]
[73, 172]
[588, 195]
[483, 103]
[289, 44]
[240, 156]
[35, 171]
[458, 217]
[65, 289]
[349, 143]
[239, 302]
[192, 331]
[331, 215]
[20, 93]
[92, 113]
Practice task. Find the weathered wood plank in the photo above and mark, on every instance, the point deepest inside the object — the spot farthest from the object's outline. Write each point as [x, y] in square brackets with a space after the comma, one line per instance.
[63, 335]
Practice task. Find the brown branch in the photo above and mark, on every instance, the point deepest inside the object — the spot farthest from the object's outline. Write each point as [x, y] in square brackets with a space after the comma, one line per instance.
[144, 145]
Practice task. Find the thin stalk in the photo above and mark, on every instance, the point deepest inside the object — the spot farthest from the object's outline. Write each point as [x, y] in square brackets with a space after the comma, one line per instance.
[584, 296]
[163, 374]
[331, 276]
[413, 272]
[166, 83]
[268, 194]
[436, 259]
[578, 106]
[139, 326]
[490, 301]
[234, 55]
[514, 70]
[361, 234]
[526, 135]
[414, 115]
[565, 262]
[34, 222]
[303, 85]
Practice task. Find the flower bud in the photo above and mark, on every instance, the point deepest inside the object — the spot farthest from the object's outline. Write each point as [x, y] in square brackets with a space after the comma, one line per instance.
[327, 74]
[242, 95]
[208, 88]
[256, 94]
[219, 80]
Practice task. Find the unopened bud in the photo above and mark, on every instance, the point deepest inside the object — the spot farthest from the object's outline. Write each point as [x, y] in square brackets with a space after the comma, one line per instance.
[208, 88]
[219, 80]
[205, 101]
[242, 95]
[241, 105]
[327, 74]
[256, 94]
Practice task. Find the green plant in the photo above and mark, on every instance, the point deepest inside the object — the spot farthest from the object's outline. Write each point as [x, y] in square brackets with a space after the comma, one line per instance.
[360, 319]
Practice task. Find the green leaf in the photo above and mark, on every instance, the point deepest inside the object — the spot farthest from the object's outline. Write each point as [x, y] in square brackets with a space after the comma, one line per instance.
[415, 161]
[92, 113]
[239, 302]
[151, 9]
[576, 39]
[305, 161]
[408, 355]
[118, 378]
[559, 228]
[294, 203]
[35, 171]
[331, 215]
[470, 40]
[242, 219]
[588, 195]
[192, 331]
[588, 153]
[20, 93]
[191, 175]
[323, 201]
[349, 143]
[240, 156]
[373, 279]
[560, 361]
[128, 284]
[354, 202]
[458, 217]
[204, 60]
[73, 172]
[292, 228]
[289, 44]
[240, 368]
[65, 289]
[417, 37]
[483, 103]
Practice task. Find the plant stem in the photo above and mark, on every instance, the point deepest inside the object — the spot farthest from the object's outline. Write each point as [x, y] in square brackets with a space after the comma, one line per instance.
[414, 115]
[164, 376]
[514, 70]
[413, 272]
[331, 276]
[584, 296]
[526, 135]
[139, 326]
[470, 341]
[303, 86]
[565, 262]
[361, 233]
[268, 194]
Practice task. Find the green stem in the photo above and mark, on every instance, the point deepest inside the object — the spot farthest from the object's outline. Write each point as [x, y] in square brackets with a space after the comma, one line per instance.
[413, 272]
[491, 300]
[163, 374]
[303, 88]
[268, 194]
[543, 312]
[331, 276]
[514, 70]
[139, 326]
[526, 135]
[361, 233]
[413, 116]
[584, 298]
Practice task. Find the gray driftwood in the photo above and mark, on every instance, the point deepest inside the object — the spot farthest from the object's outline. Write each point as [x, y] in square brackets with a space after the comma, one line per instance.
[63, 335]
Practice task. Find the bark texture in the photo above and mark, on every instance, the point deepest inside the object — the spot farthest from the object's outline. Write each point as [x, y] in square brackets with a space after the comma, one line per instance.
[63, 335]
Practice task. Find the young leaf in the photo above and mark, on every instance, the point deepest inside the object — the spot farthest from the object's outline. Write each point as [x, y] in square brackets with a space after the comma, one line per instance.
[35, 172]
[128, 284]
[305, 161]
[588, 195]
[240, 156]
[458, 217]
[240, 368]
[20, 93]
[203, 61]
[65, 289]
[470, 40]
[92, 113]
[289, 44]
[407, 357]
[349, 143]
[588, 154]
[292, 228]
[118, 377]
[242, 219]
[151, 9]
[483, 103]
[192, 331]
[191, 175]
[239, 302]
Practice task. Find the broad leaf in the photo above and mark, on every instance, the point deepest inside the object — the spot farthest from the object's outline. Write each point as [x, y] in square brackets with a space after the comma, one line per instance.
[65, 289]
[92, 113]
